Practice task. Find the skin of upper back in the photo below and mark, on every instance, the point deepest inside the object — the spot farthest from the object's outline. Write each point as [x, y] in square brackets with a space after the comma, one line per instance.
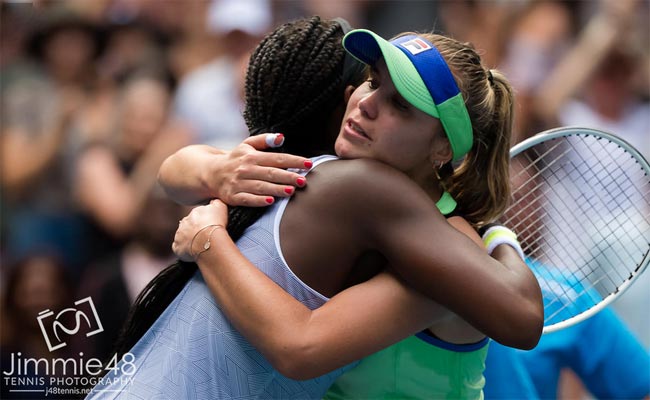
[325, 235]
[352, 212]
[320, 236]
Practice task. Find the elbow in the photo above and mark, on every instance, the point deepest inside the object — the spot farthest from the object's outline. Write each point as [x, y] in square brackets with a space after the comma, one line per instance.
[296, 361]
[534, 318]
[526, 322]
[165, 169]
[293, 369]
[530, 334]
[163, 177]
[525, 331]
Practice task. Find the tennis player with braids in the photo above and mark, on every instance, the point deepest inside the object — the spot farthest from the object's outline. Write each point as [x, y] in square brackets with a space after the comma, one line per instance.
[364, 209]
[429, 367]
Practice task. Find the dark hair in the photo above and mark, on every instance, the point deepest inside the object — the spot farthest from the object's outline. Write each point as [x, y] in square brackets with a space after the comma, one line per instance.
[297, 82]
[54, 22]
[294, 84]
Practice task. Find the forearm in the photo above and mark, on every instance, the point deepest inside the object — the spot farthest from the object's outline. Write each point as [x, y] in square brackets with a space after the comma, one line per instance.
[499, 298]
[184, 174]
[303, 343]
[505, 249]
[253, 303]
[526, 286]
[433, 257]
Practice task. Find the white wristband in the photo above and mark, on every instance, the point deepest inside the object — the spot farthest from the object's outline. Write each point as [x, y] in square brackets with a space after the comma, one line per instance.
[498, 235]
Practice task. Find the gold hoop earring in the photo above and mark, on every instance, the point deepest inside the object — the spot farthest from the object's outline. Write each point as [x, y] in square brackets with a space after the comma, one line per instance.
[436, 169]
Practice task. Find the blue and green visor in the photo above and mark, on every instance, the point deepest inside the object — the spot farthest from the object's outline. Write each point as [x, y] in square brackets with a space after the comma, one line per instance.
[422, 77]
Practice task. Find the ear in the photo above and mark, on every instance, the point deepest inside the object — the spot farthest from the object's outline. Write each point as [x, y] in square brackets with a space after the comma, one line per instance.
[348, 93]
[441, 150]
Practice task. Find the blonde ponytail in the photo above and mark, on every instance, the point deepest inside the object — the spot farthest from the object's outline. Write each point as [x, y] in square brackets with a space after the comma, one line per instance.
[480, 184]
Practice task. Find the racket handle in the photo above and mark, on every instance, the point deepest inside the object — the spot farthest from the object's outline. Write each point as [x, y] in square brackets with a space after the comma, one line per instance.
[494, 235]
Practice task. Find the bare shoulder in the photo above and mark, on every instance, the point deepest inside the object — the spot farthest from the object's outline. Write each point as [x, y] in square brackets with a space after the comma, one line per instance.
[462, 225]
[365, 174]
[365, 188]
[349, 208]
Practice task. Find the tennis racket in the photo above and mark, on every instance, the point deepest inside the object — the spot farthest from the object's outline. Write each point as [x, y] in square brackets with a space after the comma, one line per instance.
[581, 211]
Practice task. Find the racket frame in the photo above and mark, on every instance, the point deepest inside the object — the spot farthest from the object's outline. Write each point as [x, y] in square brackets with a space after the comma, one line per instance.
[561, 132]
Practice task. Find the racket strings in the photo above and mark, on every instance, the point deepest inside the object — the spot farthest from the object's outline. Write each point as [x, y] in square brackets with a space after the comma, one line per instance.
[601, 237]
[580, 206]
[536, 189]
[543, 191]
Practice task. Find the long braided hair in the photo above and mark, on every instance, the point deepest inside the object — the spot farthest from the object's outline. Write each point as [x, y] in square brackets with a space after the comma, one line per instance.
[294, 85]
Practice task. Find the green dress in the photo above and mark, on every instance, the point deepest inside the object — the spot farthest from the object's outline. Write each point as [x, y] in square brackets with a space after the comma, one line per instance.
[418, 367]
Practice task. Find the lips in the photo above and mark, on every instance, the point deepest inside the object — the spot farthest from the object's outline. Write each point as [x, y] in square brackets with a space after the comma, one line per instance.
[355, 129]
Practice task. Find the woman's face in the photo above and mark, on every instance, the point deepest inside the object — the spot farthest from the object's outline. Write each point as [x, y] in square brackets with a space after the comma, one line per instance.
[39, 288]
[380, 124]
[145, 111]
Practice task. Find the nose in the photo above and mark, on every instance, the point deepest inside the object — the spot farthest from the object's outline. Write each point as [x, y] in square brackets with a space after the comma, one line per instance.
[368, 105]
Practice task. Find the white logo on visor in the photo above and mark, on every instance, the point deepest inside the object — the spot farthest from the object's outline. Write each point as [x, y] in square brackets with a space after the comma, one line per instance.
[416, 46]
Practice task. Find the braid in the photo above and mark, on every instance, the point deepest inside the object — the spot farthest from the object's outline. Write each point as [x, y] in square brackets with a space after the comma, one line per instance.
[324, 59]
[293, 76]
[296, 75]
[293, 85]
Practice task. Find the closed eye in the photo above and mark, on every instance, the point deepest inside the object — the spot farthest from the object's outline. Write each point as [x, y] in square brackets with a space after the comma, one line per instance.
[400, 103]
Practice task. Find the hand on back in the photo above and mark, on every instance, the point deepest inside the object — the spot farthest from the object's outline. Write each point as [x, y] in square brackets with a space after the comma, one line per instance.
[196, 228]
[251, 177]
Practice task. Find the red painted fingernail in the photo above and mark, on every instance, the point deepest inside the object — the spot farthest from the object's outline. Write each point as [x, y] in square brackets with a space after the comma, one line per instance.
[269, 200]
[308, 164]
[301, 181]
[288, 190]
[279, 138]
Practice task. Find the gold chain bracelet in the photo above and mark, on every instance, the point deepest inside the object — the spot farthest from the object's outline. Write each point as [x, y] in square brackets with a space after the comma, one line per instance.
[207, 244]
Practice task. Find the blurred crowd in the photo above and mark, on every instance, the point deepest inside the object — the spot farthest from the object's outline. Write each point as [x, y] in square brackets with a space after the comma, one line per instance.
[96, 94]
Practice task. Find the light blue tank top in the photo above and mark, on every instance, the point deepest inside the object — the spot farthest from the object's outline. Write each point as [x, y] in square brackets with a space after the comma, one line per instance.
[193, 352]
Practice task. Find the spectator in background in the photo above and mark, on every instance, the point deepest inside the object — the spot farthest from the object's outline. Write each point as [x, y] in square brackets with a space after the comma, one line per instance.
[210, 99]
[546, 57]
[133, 46]
[15, 30]
[610, 101]
[36, 283]
[607, 92]
[485, 24]
[114, 177]
[39, 112]
[540, 33]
